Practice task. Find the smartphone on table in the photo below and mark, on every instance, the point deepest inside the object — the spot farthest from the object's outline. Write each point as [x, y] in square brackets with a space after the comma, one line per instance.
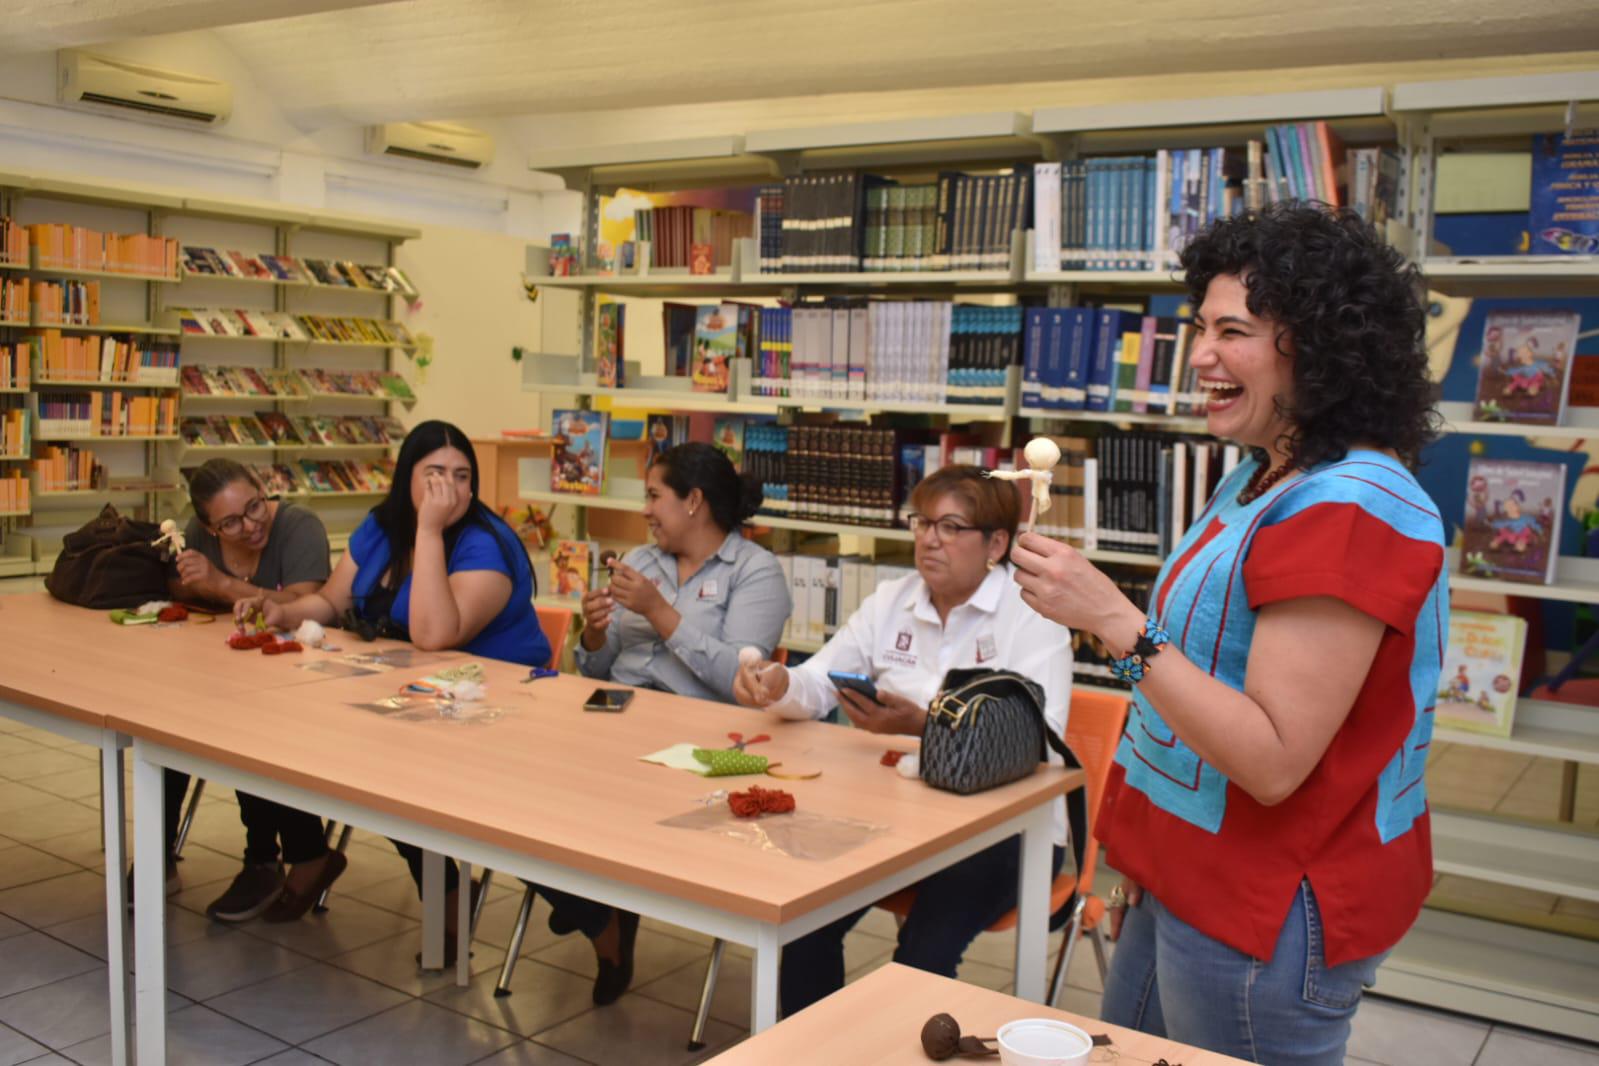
[613, 700]
[856, 682]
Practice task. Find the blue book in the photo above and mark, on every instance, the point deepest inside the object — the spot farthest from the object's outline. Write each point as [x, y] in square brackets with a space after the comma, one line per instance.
[1564, 213]
[1075, 327]
[1033, 357]
[1053, 374]
[1108, 329]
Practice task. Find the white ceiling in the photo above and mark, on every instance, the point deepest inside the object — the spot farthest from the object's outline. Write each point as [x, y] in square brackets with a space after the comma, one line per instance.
[332, 62]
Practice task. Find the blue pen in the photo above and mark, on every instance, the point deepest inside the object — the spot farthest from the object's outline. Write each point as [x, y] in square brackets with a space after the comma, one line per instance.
[538, 672]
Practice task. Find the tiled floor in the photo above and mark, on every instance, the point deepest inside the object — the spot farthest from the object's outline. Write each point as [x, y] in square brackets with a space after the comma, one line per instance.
[344, 987]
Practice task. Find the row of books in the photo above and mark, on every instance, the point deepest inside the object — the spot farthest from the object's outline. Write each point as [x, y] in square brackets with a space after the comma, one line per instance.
[67, 303]
[322, 477]
[268, 428]
[674, 233]
[13, 427]
[847, 221]
[1137, 212]
[15, 361]
[333, 273]
[835, 473]
[281, 325]
[107, 413]
[827, 590]
[67, 468]
[1105, 359]
[62, 246]
[248, 382]
[13, 492]
[130, 360]
[13, 242]
[16, 299]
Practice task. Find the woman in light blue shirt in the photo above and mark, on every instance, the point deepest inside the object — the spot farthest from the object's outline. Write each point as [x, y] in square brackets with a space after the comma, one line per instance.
[676, 612]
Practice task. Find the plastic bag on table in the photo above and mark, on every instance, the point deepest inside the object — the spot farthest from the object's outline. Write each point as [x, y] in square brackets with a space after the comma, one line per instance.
[409, 707]
[799, 834]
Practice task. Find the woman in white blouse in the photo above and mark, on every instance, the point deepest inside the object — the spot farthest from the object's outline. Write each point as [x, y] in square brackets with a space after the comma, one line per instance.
[959, 609]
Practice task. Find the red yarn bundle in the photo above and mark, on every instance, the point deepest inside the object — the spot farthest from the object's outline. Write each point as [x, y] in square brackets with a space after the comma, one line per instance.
[757, 801]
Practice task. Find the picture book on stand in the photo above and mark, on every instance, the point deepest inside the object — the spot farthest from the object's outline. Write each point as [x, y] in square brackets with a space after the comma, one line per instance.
[611, 345]
[1526, 363]
[715, 344]
[664, 432]
[1512, 529]
[579, 464]
[1477, 688]
[1563, 218]
[571, 562]
[728, 438]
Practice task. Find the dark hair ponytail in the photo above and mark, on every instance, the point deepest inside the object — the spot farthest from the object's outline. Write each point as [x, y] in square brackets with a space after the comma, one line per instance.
[210, 478]
[732, 497]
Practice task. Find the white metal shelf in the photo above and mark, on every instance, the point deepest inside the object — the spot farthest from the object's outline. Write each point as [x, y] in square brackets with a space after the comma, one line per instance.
[143, 328]
[211, 397]
[1504, 276]
[1582, 423]
[50, 438]
[1543, 728]
[1540, 858]
[84, 272]
[96, 383]
[1174, 423]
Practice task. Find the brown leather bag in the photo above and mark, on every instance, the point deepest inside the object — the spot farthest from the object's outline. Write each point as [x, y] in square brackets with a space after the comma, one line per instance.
[111, 562]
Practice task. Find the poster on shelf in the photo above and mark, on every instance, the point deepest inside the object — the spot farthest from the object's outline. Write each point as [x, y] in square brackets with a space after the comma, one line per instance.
[570, 565]
[1512, 521]
[1477, 688]
[1525, 366]
[1563, 216]
[579, 462]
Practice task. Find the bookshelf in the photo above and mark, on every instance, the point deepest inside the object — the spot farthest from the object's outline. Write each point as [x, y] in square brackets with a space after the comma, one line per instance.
[144, 468]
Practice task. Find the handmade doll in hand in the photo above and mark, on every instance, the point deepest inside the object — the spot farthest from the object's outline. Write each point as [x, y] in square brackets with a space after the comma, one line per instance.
[1042, 454]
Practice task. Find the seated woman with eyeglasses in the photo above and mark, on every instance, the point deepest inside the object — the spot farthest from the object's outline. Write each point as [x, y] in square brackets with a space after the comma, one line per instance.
[434, 565]
[960, 609]
[243, 544]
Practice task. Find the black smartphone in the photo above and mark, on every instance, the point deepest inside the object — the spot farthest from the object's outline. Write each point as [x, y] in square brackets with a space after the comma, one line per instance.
[608, 699]
[858, 682]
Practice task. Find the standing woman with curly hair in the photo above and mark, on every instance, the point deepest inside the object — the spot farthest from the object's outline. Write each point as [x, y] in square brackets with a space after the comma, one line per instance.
[1266, 806]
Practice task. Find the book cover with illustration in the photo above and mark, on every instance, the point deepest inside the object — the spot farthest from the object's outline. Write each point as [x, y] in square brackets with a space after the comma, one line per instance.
[571, 562]
[715, 344]
[664, 432]
[1563, 213]
[611, 345]
[1477, 689]
[579, 464]
[1512, 528]
[728, 438]
[1526, 363]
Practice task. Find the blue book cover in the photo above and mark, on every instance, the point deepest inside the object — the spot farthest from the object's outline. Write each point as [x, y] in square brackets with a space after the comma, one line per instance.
[1564, 213]
[1033, 357]
[1108, 329]
[1053, 374]
[1075, 328]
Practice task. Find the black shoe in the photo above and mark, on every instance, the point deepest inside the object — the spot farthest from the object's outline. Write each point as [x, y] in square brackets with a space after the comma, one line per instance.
[174, 882]
[256, 888]
[290, 906]
[614, 977]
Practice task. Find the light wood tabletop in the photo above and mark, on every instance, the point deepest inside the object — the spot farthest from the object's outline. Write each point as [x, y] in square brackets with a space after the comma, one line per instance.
[877, 1021]
[554, 782]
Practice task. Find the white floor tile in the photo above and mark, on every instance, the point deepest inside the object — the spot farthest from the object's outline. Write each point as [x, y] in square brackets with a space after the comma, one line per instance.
[1515, 1047]
[654, 955]
[637, 1031]
[16, 1048]
[541, 996]
[24, 766]
[413, 1032]
[196, 1036]
[56, 900]
[40, 821]
[347, 925]
[731, 1001]
[68, 1012]
[529, 1053]
[392, 962]
[33, 959]
[17, 797]
[1388, 1031]
[306, 1003]
[21, 865]
[226, 960]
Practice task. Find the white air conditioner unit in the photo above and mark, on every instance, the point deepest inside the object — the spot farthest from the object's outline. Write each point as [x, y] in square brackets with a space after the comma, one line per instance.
[90, 79]
[434, 142]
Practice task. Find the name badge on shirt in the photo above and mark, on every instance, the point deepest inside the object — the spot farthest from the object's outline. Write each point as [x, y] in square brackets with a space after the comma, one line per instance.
[900, 654]
[708, 590]
[985, 648]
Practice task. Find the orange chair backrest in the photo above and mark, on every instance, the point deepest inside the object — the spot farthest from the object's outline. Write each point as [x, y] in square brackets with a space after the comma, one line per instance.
[1093, 731]
[557, 624]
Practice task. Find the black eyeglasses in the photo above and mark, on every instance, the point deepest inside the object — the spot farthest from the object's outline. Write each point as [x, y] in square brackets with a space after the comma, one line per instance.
[948, 527]
[255, 511]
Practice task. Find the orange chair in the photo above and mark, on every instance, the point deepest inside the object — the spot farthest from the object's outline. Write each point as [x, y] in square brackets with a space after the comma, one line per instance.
[1093, 730]
[557, 625]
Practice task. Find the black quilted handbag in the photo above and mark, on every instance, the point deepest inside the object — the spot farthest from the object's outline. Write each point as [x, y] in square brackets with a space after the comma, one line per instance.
[985, 728]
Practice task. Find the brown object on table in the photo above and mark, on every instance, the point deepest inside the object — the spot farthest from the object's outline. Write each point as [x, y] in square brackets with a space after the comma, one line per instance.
[892, 757]
[942, 1039]
[757, 801]
[874, 1022]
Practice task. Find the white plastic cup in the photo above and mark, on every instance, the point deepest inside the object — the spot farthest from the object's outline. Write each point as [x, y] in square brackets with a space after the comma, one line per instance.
[1043, 1042]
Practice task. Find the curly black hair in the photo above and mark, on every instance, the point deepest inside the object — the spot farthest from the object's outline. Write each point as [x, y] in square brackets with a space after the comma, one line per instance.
[1351, 316]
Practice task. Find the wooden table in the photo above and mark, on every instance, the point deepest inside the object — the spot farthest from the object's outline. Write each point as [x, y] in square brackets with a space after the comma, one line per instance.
[877, 1021]
[546, 792]
[65, 668]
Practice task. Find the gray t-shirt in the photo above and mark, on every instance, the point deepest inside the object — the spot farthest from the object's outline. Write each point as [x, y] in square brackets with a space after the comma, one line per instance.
[296, 550]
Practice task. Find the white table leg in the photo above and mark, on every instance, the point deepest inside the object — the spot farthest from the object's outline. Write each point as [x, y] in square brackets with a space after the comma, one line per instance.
[763, 979]
[1032, 908]
[149, 920]
[432, 910]
[463, 927]
[116, 894]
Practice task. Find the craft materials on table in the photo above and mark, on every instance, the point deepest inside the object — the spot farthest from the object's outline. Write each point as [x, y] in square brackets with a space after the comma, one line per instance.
[757, 801]
[1042, 455]
[162, 611]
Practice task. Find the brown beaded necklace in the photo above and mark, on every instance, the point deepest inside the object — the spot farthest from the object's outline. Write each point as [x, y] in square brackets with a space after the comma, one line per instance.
[1264, 479]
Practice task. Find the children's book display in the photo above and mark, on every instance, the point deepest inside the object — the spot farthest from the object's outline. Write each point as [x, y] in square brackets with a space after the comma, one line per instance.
[1564, 214]
[1526, 364]
[611, 345]
[571, 564]
[1512, 527]
[715, 345]
[579, 463]
[1477, 688]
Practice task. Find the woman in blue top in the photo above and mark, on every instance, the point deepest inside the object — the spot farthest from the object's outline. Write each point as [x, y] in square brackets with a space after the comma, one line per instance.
[433, 565]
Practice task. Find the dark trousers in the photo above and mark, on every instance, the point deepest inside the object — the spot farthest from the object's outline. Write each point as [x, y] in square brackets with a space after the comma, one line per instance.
[568, 913]
[951, 908]
[266, 823]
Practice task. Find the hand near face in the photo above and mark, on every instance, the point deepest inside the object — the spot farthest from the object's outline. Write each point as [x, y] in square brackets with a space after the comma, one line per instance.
[634, 591]
[440, 495]
[890, 713]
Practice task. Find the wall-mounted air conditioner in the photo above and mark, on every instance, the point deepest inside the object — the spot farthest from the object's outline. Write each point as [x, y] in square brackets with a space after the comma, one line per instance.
[433, 142]
[84, 78]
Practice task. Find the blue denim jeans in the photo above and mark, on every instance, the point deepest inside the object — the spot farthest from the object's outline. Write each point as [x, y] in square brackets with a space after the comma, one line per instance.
[1169, 979]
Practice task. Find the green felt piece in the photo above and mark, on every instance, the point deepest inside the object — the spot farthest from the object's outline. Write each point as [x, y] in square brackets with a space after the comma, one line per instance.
[124, 617]
[730, 762]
